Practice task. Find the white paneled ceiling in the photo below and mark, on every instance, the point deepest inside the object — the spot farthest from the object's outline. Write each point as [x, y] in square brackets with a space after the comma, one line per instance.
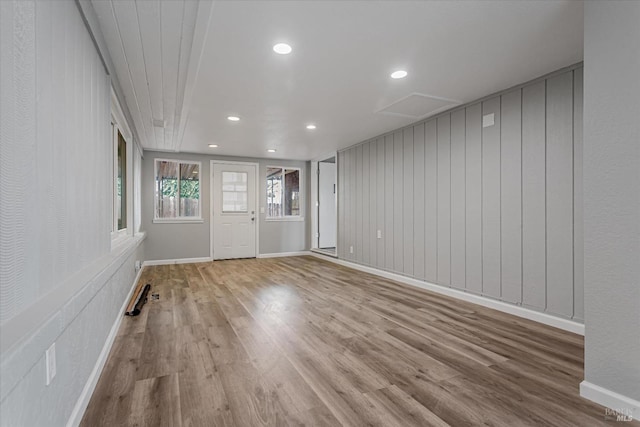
[337, 76]
[150, 44]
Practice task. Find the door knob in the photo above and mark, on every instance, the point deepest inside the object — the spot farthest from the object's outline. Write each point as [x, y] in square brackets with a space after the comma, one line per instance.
[253, 219]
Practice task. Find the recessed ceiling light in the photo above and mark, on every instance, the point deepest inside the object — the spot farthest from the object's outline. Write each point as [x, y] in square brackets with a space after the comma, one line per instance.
[233, 118]
[282, 48]
[311, 127]
[271, 150]
[400, 74]
[213, 145]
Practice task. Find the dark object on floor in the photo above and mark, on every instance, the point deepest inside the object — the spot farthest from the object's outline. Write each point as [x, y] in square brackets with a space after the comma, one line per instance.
[141, 298]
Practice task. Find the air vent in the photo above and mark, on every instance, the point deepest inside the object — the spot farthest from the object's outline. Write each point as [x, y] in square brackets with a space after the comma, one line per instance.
[418, 105]
[159, 123]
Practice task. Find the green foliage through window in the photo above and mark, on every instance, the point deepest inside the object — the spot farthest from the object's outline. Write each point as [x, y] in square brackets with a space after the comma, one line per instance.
[177, 189]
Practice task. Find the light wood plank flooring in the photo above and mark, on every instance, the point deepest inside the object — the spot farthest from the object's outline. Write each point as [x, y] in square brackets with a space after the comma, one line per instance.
[301, 341]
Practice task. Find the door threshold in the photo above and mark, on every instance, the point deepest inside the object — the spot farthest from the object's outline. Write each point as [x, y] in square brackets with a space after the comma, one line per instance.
[331, 253]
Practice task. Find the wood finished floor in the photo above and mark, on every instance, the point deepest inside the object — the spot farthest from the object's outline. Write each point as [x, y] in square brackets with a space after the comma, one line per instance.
[301, 341]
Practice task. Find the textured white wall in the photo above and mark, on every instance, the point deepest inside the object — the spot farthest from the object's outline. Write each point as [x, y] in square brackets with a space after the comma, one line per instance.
[612, 197]
[60, 280]
[56, 155]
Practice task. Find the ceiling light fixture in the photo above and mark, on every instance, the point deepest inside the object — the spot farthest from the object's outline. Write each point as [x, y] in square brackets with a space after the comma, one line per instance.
[213, 145]
[400, 74]
[311, 127]
[282, 48]
[233, 118]
[271, 150]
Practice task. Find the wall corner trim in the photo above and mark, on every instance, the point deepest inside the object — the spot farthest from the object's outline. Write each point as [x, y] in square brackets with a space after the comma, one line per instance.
[90, 386]
[525, 313]
[624, 405]
[284, 254]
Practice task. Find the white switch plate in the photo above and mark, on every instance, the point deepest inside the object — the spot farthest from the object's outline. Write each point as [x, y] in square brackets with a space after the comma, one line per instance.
[488, 120]
[50, 358]
[350, 249]
[261, 209]
[379, 234]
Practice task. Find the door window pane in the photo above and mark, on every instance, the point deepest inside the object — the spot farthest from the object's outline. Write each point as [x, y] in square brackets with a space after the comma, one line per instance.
[234, 192]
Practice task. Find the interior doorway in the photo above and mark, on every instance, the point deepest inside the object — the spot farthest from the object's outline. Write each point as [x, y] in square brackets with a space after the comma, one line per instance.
[326, 224]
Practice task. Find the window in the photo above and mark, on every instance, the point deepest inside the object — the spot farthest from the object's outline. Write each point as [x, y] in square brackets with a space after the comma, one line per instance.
[177, 190]
[283, 193]
[121, 183]
[234, 192]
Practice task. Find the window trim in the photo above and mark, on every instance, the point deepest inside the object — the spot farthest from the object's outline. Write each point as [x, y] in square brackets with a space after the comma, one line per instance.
[285, 218]
[178, 219]
[119, 124]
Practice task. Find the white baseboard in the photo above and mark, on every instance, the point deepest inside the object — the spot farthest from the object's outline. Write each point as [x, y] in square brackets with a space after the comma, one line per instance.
[623, 405]
[90, 386]
[516, 310]
[177, 261]
[284, 254]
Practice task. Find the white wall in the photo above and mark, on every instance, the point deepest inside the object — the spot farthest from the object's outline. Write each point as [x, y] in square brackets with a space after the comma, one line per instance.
[60, 279]
[612, 204]
[178, 241]
[493, 211]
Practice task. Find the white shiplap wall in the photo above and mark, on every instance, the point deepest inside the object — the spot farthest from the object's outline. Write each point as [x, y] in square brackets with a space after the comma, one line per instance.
[55, 151]
[60, 279]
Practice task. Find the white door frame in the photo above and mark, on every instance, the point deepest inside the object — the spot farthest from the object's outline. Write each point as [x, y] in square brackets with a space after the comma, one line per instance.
[315, 221]
[229, 162]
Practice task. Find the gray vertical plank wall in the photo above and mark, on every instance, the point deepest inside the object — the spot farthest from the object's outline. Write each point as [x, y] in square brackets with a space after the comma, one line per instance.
[380, 200]
[495, 211]
[408, 197]
[473, 199]
[353, 220]
[534, 244]
[389, 199]
[511, 196]
[373, 226]
[365, 203]
[431, 200]
[418, 202]
[560, 194]
[398, 206]
[443, 125]
[358, 248]
[458, 194]
[491, 280]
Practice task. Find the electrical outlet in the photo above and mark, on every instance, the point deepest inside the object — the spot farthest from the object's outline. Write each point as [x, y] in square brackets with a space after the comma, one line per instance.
[350, 249]
[138, 265]
[50, 358]
[379, 234]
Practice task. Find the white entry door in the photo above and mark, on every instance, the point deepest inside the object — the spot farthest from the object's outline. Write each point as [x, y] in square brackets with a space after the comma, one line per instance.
[234, 210]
